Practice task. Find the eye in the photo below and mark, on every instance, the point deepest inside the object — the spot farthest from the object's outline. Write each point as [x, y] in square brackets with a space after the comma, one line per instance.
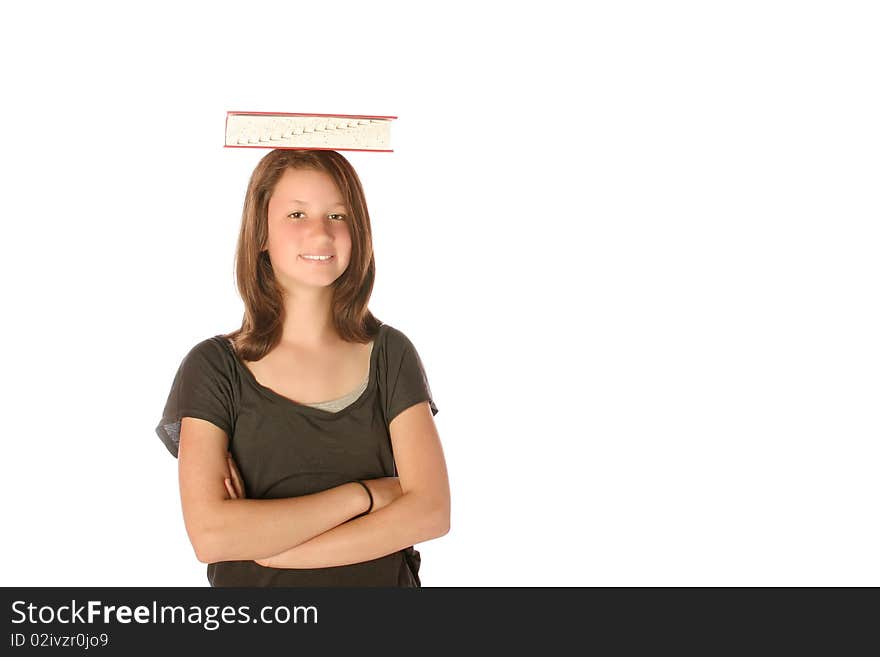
[342, 217]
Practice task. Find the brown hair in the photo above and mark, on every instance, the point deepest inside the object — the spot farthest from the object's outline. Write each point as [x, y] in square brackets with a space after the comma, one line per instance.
[263, 320]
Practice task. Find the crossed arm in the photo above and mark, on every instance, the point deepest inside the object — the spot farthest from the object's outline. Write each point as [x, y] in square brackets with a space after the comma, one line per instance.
[420, 514]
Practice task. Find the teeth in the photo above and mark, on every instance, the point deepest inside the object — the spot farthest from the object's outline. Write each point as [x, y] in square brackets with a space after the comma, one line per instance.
[317, 257]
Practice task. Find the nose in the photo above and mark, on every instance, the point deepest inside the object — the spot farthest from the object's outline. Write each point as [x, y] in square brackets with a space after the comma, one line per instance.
[319, 228]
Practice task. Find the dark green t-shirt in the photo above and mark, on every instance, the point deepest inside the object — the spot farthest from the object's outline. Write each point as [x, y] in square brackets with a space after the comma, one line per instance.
[287, 449]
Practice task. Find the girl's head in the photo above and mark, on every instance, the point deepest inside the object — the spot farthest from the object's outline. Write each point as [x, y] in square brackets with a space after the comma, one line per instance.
[303, 202]
[307, 218]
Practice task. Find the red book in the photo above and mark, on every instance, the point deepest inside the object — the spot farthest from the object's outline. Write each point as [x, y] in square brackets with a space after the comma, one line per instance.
[337, 132]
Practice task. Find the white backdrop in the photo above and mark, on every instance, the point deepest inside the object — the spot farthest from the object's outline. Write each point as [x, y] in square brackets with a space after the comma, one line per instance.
[635, 243]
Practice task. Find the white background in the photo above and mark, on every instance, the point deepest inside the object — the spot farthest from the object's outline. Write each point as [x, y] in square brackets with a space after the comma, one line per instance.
[635, 243]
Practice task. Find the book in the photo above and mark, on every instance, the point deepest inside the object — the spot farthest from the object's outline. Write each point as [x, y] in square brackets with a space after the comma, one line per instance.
[340, 132]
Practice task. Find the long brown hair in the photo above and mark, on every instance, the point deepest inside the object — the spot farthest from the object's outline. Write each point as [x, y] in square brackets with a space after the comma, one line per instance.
[263, 320]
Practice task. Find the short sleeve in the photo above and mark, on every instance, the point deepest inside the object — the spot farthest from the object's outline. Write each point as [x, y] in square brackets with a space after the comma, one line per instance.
[407, 380]
[202, 388]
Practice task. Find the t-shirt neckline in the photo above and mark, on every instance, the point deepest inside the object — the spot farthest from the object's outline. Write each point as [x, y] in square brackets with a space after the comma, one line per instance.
[304, 408]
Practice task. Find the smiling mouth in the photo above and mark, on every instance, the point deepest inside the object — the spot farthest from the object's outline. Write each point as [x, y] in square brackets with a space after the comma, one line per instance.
[318, 260]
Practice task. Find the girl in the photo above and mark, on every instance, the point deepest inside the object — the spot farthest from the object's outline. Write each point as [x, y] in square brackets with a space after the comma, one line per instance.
[306, 445]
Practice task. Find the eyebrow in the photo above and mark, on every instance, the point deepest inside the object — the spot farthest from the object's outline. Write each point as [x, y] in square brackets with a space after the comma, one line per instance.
[296, 200]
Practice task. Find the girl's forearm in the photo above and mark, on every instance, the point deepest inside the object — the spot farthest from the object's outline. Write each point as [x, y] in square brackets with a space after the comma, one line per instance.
[248, 529]
[406, 521]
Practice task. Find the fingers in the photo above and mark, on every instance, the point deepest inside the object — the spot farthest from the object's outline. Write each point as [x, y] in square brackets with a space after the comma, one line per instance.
[229, 490]
[235, 476]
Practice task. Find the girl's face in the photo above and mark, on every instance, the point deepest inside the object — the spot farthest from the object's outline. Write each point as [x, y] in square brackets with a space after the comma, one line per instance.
[307, 216]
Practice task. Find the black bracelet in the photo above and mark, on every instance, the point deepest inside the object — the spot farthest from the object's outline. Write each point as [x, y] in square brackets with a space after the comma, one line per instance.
[366, 488]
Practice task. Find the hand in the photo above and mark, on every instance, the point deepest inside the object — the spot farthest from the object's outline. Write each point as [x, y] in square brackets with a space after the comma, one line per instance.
[384, 489]
[234, 484]
[235, 489]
